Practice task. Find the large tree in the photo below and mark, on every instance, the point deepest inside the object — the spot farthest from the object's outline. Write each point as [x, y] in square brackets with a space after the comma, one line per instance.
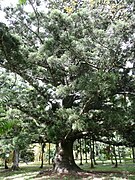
[75, 69]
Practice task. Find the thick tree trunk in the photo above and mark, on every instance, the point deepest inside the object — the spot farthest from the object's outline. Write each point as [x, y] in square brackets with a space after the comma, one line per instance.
[15, 159]
[64, 160]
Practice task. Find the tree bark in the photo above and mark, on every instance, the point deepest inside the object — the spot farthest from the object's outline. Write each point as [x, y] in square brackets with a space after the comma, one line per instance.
[80, 145]
[119, 154]
[86, 151]
[112, 158]
[111, 155]
[93, 149]
[6, 166]
[133, 153]
[49, 151]
[91, 155]
[64, 160]
[42, 156]
[15, 159]
[115, 156]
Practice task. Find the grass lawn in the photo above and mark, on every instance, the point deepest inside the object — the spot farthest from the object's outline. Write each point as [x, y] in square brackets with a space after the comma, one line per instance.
[100, 172]
[25, 172]
[124, 170]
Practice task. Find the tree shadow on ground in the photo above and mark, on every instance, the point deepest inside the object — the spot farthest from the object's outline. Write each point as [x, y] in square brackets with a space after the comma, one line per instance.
[30, 173]
[83, 175]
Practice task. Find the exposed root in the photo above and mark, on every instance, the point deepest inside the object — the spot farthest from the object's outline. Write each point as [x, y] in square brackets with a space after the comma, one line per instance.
[15, 168]
[67, 170]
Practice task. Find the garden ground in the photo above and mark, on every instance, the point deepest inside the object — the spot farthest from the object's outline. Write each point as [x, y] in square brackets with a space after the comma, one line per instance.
[100, 172]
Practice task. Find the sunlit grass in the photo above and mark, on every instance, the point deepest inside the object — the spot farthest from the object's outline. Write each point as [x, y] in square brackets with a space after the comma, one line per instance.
[104, 171]
[25, 172]
[109, 167]
[124, 169]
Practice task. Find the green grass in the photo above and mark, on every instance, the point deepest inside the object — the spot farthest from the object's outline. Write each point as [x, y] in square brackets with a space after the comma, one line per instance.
[124, 170]
[105, 171]
[25, 172]
[129, 167]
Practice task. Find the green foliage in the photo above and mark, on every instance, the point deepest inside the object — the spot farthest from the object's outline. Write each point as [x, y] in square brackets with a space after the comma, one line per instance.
[22, 1]
[72, 68]
[6, 123]
[27, 156]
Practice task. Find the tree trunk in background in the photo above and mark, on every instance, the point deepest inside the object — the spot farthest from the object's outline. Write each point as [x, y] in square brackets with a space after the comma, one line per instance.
[112, 158]
[5, 163]
[93, 149]
[15, 165]
[80, 145]
[86, 151]
[111, 155]
[42, 155]
[91, 155]
[49, 158]
[64, 160]
[133, 153]
[119, 154]
[115, 156]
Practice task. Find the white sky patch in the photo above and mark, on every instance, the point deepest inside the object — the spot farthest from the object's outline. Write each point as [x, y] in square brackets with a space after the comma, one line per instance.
[13, 3]
[8, 2]
[129, 65]
[2, 18]
[4, 3]
[42, 7]
[126, 45]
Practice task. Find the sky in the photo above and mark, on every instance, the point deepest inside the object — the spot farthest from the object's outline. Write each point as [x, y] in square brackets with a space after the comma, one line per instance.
[4, 3]
[8, 2]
